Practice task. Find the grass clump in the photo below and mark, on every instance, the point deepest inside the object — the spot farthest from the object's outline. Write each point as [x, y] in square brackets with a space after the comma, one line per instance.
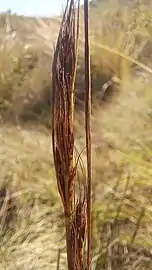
[63, 83]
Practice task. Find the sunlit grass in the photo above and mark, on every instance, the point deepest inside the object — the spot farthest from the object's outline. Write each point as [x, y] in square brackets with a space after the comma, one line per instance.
[122, 147]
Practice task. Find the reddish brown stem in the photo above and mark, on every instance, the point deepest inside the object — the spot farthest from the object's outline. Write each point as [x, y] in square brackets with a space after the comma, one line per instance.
[88, 129]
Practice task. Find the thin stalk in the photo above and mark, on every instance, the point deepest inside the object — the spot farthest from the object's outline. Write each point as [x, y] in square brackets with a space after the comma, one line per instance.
[58, 259]
[88, 129]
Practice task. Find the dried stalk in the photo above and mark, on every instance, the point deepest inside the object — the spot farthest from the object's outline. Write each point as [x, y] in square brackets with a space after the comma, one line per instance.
[88, 128]
[63, 103]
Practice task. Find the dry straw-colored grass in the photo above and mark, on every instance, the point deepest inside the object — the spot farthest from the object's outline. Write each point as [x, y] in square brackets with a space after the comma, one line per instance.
[121, 153]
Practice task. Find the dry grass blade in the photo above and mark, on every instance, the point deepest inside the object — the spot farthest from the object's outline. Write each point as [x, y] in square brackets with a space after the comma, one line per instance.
[142, 213]
[124, 56]
[63, 92]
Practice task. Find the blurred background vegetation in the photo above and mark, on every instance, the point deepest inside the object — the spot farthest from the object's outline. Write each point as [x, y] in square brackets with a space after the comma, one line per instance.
[31, 217]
